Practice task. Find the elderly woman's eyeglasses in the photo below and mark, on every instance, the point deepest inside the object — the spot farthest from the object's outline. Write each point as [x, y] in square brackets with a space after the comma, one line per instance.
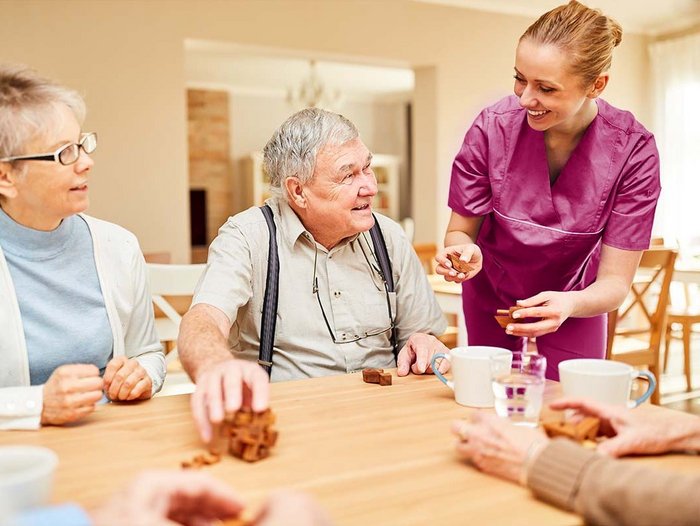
[66, 154]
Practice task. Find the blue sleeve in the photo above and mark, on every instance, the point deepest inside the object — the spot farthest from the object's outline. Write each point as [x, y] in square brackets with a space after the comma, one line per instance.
[62, 515]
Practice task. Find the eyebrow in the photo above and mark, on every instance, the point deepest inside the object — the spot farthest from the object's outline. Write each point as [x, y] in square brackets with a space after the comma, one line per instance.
[556, 84]
[350, 165]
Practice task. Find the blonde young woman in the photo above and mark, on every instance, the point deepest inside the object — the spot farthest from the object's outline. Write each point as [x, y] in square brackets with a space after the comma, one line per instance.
[76, 320]
[553, 195]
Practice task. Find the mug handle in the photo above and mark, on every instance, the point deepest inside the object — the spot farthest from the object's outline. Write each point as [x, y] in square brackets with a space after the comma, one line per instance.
[649, 377]
[436, 369]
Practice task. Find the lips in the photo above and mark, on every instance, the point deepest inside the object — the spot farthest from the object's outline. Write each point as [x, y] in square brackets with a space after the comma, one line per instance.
[537, 113]
[80, 188]
[362, 207]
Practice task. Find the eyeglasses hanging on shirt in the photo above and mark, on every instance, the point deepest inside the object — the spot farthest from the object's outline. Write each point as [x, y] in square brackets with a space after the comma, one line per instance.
[364, 334]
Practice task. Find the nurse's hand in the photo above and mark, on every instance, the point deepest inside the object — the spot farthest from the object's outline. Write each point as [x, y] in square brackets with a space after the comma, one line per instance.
[552, 308]
[469, 254]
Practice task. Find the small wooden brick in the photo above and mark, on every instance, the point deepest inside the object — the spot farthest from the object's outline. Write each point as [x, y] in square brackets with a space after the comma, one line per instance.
[251, 436]
[371, 376]
[376, 376]
[504, 317]
[458, 264]
[586, 429]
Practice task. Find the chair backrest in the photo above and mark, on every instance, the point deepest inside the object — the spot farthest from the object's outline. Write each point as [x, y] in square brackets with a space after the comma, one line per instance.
[171, 280]
[426, 254]
[643, 312]
[157, 257]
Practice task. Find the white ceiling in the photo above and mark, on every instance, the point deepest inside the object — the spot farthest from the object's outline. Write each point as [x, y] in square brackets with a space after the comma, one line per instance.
[650, 17]
[246, 70]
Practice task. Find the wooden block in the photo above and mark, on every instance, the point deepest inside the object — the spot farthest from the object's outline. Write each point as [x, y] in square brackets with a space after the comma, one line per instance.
[385, 379]
[504, 317]
[250, 434]
[586, 429]
[371, 376]
[458, 264]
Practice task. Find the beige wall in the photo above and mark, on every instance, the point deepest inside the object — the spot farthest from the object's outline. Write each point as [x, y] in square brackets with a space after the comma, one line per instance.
[127, 58]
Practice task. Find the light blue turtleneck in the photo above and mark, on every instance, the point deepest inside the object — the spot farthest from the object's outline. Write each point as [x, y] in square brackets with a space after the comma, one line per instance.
[59, 295]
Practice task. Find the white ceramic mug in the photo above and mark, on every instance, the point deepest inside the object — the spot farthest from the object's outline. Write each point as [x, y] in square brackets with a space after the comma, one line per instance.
[603, 380]
[26, 476]
[471, 373]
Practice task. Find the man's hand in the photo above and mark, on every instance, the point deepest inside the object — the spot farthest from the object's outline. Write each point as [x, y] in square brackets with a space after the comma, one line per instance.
[553, 309]
[416, 355]
[224, 387]
[166, 498]
[126, 379]
[71, 393]
[469, 253]
[497, 447]
[643, 430]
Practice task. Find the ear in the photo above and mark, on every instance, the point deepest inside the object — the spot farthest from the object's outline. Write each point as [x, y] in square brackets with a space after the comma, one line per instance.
[598, 86]
[7, 181]
[295, 191]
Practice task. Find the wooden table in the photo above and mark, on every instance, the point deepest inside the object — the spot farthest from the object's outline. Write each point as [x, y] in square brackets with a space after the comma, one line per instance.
[369, 454]
[449, 297]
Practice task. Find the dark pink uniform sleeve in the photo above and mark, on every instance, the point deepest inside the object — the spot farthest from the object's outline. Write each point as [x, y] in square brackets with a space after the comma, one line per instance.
[470, 186]
[634, 202]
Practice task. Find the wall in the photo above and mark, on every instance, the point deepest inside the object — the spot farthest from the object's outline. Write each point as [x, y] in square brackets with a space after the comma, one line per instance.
[127, 57]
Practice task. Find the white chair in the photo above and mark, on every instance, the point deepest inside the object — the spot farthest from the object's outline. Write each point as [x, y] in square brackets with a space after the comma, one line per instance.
[171, 280]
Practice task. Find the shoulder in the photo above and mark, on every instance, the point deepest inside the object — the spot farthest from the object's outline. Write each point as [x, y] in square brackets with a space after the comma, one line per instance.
[394, 236]
[503, 114]
[104, 231]
[248, 222]
[622, 120]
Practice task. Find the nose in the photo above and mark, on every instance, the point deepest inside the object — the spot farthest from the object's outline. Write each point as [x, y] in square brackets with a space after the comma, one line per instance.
[369, 185]
[84, 163]
[527, 98]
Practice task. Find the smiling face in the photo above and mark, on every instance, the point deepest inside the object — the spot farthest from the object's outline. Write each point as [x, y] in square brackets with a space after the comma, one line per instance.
[553, 96]
[336, 203]
[49, 191]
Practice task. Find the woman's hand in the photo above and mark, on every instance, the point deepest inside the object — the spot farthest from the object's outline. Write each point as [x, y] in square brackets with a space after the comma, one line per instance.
[553, 309]
[71, 393]
[497, 447]
[126, 379]
[469, 254]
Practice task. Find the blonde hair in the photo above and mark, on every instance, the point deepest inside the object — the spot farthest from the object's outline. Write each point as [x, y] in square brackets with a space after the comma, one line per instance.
[586, 35]
[29, 107]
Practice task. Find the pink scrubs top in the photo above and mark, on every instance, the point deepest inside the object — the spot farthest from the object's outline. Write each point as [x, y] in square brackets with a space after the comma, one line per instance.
[538, 236]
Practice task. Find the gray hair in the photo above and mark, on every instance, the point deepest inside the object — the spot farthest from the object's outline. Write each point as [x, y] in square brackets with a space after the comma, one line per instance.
[29, 107]
[292, 150]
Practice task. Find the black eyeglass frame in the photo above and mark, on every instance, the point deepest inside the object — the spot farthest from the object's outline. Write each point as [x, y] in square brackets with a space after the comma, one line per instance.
[56, 156]
[379, 272]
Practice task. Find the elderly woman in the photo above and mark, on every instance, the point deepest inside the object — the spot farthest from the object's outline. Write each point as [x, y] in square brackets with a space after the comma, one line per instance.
[76, 319]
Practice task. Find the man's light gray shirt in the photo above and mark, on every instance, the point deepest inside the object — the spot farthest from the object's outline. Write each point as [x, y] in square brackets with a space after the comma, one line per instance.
[351, 291]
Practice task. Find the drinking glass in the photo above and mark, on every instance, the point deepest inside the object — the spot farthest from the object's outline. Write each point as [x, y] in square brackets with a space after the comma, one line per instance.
[518, 387]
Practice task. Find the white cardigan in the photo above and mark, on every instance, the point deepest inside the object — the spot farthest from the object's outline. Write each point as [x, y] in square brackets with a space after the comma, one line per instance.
[121, 271]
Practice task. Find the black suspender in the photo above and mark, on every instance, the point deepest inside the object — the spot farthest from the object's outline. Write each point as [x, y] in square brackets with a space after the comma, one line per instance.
[269, 314]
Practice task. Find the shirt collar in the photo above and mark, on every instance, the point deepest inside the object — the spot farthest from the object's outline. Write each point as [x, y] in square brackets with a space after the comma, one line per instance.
[292, 228]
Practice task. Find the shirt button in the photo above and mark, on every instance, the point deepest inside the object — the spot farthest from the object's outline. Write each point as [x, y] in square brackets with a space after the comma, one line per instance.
[336, 294]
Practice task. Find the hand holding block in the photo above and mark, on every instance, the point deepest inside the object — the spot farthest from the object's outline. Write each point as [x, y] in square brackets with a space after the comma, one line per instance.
[458, 264]
[505, 316]
[585, 429]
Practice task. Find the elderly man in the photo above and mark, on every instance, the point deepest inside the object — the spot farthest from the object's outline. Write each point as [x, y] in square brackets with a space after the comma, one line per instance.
[336, 311]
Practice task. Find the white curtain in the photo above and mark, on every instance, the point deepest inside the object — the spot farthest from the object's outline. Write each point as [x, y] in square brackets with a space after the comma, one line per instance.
[675, 67]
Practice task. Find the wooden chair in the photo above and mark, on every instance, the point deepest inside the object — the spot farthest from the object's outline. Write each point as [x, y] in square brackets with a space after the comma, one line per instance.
[637, 341]
[157, 257]
[426, 254]
[682, 317]
[168, 284]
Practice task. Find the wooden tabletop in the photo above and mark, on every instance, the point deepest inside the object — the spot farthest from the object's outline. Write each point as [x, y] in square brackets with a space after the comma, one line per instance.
[369, 454]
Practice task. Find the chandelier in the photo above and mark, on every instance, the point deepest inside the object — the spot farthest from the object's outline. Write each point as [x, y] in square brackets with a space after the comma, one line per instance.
[313, 93]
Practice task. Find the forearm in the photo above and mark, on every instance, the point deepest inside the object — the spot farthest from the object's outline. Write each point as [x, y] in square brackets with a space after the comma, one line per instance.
[457, 237]
[201, 343]
[602, 296]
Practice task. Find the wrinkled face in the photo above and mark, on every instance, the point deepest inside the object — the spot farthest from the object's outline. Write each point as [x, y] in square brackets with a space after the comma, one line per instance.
[551, 94]
[49, 191]
[339, 195]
